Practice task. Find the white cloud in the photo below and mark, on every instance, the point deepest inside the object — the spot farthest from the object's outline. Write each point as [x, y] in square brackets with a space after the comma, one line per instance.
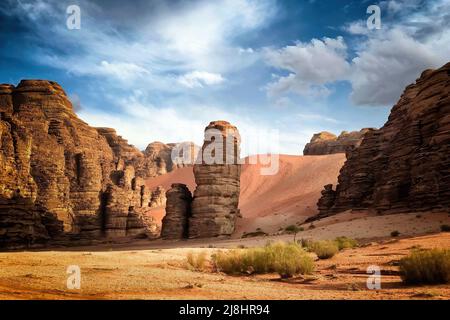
[356, 27]
[197, 79]
[385, 61]
[166, 39]
[312, 66]
[122, 70]
[388, 64]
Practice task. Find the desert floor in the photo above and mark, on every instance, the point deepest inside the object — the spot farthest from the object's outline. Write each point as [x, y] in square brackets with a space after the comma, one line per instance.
[135, 271]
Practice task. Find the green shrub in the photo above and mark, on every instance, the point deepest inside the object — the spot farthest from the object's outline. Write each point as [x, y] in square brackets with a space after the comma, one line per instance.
[324, 249]
[293, 229]
[426, 267]
[284, 259]
[344, 243]
[445, 228]
[197, 262]
[291, 259]
[395, 233]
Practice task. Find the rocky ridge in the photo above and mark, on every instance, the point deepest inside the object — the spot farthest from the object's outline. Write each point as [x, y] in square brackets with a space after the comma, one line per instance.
[327, 143]
[405, 165]
[61, 178]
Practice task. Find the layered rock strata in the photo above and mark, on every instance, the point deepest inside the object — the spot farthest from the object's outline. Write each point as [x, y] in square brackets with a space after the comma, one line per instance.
[404, 166]
[216, 197]
[158, 198]
[160, 158]
[327, 143]
[59, 175]
[178, 211]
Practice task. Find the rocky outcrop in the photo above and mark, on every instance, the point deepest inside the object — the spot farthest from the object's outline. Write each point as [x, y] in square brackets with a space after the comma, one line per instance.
[327, 143]
[216, 197]
[404, 166]
[61, 177]
[158, 198]
[160, 158]
[20, 220]
[178, 210]
[123, 153]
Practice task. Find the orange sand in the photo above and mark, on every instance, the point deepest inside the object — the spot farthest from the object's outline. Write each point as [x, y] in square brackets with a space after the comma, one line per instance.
[271, 201]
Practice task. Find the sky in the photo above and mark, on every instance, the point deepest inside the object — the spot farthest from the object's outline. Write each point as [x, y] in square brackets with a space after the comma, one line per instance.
[278, 70]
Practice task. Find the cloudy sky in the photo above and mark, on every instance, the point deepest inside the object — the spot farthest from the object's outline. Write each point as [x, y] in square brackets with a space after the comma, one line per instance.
[162, 70]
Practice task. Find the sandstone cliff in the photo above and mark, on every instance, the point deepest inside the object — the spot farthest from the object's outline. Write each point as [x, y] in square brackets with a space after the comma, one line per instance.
[327, 143]
[405, 165]
[59, 176]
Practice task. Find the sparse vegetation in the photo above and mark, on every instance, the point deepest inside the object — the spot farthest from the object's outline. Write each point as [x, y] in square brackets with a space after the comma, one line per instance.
[293, 229]
[345, 243]
[286, 259]
[395, 233]
[256, 233]
[324, 249]
[305, 243]
[426, 267]
[445, 228]
[197, 262]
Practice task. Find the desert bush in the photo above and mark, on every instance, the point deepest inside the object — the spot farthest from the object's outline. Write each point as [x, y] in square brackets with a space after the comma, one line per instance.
[324, 249]
[395, 233]
[294, 230]
[445, 228]
[290, 259]
[426, 266]
[344, 243]
[197, 262]
[282, 258]
[305, 243]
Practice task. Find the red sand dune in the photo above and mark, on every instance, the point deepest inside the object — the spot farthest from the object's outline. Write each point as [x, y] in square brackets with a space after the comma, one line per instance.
[274, 201]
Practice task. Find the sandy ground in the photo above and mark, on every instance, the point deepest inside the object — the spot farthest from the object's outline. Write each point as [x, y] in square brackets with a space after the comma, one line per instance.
[271, 202]
[145, 269]
[133, 273]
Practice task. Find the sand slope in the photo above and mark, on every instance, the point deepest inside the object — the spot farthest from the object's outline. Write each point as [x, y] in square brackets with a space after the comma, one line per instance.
[271, 201]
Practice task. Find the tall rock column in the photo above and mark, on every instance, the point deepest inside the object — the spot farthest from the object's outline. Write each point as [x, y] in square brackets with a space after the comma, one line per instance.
[216, 198]
[178, 209]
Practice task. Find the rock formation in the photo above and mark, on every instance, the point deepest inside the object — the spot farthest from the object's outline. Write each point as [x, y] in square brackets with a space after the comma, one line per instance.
[160, 158]
[59, 176]
[158, 198]
[216, 197]
[178, 210]
[405, 165]
[327, 143]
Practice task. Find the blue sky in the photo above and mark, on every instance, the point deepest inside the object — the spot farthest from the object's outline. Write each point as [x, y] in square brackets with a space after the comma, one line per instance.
[279, 70]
